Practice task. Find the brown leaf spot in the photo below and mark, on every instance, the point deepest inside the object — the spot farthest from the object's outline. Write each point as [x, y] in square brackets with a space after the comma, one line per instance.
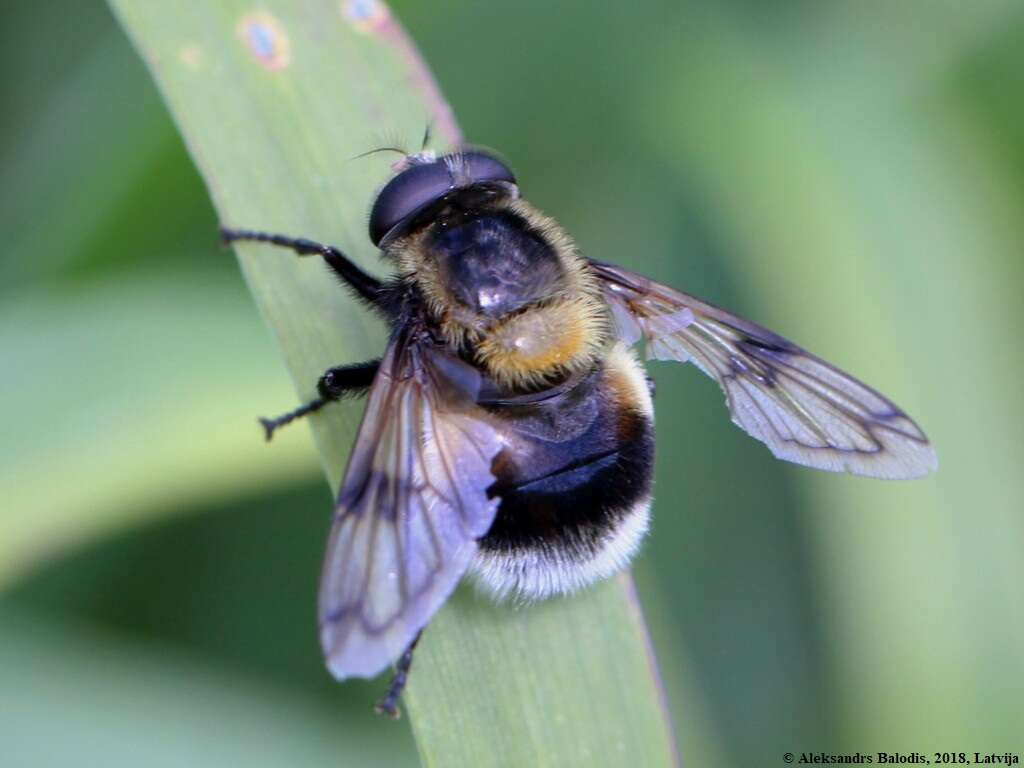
[265, 38]
[191, 55]
[365, 15]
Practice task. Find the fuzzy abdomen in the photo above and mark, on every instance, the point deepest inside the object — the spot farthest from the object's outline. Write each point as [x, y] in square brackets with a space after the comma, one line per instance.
[574, 482]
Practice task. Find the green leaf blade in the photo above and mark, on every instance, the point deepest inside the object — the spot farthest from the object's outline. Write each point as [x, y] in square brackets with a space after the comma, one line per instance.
[571, 681]
[274, 103]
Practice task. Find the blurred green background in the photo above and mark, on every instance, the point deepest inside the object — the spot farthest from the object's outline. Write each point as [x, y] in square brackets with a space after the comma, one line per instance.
[849, 174]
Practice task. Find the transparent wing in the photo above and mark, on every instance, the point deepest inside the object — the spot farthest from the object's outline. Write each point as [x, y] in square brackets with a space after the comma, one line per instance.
[411, 507]
[802, 408]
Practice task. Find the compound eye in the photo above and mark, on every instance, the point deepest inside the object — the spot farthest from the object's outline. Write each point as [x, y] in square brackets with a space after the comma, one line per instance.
[424, 185]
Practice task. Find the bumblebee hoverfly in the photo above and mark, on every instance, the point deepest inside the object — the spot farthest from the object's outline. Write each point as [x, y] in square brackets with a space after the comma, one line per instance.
[509, 428]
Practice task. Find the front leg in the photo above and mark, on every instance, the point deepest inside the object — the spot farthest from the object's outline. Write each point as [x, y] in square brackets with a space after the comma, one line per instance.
[340, 381]
[366, 287]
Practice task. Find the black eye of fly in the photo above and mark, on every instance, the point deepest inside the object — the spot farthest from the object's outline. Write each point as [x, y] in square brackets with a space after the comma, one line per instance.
[424, 185]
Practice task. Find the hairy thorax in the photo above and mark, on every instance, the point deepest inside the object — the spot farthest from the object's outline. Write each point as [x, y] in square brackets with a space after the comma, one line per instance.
[506, 288]
[543, 344]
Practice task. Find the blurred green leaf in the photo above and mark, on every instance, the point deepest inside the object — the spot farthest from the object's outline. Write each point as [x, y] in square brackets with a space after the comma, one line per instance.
[128, 402]
[273, 103]
[868, 223]
[124, 703]
[79, 191]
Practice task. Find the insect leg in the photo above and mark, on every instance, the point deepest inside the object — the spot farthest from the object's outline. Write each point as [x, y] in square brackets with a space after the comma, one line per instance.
[271, 425]
[389, 704]
[367, 287]
[347, 380]
[336, 382]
